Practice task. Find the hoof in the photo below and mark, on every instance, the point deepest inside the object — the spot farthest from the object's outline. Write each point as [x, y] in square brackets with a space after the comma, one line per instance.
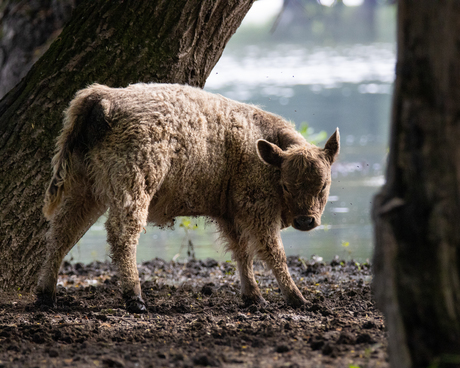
[254, 300]
[45, 300]
[296, 301]
[135, 305]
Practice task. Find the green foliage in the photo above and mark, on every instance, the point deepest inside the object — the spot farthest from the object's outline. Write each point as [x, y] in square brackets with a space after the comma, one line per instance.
[309, 134]
[345, 246]
[187, 223]
[232, 270]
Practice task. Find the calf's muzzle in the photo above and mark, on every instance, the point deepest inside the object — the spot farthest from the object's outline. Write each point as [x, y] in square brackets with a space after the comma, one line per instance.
[304, 223]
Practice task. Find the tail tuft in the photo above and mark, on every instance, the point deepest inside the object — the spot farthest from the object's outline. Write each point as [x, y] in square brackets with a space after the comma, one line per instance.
[53, 197]
[72, 139]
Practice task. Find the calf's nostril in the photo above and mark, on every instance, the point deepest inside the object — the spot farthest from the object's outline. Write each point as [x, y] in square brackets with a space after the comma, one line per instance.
[304, 222]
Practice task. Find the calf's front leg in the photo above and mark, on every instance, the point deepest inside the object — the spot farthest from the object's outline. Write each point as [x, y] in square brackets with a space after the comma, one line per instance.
[250, 292]
[270, 250]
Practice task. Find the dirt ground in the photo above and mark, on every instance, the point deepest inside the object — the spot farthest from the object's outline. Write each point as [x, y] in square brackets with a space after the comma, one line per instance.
[196, 318]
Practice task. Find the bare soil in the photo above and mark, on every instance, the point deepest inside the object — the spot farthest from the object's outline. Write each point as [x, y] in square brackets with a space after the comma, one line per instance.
[196, 318]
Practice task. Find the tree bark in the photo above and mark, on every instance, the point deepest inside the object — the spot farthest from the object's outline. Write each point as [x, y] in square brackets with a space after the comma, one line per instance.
[109, 42]
[417, 212]
[27, 28]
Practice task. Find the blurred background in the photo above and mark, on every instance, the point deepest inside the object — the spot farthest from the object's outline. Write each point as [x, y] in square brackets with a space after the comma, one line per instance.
[321, 64]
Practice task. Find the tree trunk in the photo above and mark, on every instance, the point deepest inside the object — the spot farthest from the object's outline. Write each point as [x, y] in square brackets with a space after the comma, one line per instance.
[109, 42]
[27, 29]
[417, 213]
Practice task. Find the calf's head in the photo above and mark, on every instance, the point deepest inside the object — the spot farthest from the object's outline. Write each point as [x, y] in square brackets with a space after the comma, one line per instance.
[305, 178]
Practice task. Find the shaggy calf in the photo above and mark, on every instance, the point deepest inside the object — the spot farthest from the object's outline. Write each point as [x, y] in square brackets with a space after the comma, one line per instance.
[151, 152]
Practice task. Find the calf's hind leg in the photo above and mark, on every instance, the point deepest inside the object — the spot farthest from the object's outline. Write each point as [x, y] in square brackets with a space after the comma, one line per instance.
[77, 212]
[126, 219]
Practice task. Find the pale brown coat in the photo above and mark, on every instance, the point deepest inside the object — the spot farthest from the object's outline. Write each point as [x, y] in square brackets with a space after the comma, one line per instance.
[152, 152]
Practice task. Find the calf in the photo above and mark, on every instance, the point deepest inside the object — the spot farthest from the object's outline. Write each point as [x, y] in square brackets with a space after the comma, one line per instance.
[151, 152]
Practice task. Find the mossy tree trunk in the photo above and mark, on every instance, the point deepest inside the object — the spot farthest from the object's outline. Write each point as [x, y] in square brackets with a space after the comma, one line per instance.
[109, 42]
[417, 213]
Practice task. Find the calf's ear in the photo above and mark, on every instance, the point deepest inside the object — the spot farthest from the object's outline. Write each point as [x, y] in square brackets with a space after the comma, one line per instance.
[332, 146]
[269, 153]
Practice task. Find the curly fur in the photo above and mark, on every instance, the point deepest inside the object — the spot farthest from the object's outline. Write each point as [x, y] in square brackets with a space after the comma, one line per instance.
[151, 152]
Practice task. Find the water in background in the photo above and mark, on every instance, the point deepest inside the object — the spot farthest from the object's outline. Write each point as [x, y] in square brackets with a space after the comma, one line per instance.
[316, 77]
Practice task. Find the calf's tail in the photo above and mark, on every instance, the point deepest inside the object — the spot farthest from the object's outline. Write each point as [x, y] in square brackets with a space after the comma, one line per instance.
[72, 143]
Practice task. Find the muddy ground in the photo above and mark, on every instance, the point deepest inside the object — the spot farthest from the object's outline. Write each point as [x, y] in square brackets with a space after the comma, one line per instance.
[196, 318]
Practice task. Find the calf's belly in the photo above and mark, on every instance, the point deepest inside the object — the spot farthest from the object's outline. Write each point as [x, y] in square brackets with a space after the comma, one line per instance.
[163, 210]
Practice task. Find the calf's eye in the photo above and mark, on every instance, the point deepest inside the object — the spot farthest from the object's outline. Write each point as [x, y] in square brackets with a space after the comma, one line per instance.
[324, 187]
